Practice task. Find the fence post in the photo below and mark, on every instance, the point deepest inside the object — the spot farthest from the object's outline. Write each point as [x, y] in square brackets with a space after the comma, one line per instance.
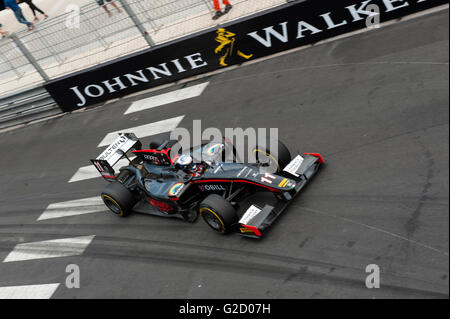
[136, 22]
[29, 57]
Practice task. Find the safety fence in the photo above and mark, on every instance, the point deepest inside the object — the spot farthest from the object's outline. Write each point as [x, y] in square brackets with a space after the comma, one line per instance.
[85, 36]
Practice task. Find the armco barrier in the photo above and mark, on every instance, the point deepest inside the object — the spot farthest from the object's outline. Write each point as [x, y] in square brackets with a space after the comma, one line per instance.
[25, 106]
[292, 25]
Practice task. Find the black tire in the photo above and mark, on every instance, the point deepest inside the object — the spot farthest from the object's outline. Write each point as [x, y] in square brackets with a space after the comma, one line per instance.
[283, 158]
[118, 199]
[218, 213]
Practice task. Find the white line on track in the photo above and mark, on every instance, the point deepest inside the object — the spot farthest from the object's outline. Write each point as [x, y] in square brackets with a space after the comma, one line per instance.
[89, 171]
[49, 249]
[167, 98]
[144, 130]
[28, 292]
[73, 208]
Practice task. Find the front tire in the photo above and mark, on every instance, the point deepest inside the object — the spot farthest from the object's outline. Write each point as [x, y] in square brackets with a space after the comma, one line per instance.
[118, 199]
[218, 213]
[264, 154]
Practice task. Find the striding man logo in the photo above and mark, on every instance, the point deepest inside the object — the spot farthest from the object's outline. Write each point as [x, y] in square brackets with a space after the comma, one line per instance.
[226, 47]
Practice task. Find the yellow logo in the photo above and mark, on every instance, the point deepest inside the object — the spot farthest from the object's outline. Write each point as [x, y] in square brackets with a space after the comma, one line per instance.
[283, 183]
[226, 46]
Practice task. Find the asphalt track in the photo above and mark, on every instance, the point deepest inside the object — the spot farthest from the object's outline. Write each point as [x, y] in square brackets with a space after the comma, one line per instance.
[376, 105]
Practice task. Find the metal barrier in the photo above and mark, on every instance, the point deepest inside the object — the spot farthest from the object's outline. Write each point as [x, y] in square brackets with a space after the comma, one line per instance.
[25, 106]
[85, 36]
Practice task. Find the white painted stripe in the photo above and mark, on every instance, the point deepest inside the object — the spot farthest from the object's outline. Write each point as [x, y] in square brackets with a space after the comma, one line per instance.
[73, 208]
[145, 130]
[167, 98]
[28, 292]
[49, 249]
[89, 172]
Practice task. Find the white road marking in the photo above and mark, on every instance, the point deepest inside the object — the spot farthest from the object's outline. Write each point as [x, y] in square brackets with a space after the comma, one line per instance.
[145, 130]
[73, 208]
[89, 171]
[49, 249]
[28, 291]
[167, 98]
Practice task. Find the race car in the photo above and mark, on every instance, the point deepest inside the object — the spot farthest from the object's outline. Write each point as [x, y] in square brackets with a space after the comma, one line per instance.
[201, 181]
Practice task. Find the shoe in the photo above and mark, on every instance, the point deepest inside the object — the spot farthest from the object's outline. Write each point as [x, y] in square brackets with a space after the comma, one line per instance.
[218, 15]
[31, 26]
[45, 16]
[227, 9]
[36, 19]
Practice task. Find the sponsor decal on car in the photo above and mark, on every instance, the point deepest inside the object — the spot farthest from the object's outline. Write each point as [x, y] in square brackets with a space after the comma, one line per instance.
[122, 139]
[211, 188]
[286, 183]
[98, 166]
[249, 214]
[283, 183]
[291, 185]
[176, 189]
[151, 158]
[294, 165]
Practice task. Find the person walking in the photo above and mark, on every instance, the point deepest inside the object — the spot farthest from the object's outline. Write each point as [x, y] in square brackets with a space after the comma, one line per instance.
[102, 4]
[219, 13]
[34, 8]
[12, 4]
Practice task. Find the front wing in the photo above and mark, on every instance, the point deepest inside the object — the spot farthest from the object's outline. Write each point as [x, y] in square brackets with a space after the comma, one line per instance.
[256, 219]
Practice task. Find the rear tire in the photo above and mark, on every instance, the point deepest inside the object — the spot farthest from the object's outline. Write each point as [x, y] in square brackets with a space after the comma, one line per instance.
[283, 158]
[118, 199]
[218, 213]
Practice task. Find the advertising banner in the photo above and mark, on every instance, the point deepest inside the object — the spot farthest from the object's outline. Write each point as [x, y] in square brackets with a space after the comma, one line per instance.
[292, 25]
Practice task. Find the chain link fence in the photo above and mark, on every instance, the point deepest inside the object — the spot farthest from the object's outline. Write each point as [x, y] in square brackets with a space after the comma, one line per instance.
[86, 36]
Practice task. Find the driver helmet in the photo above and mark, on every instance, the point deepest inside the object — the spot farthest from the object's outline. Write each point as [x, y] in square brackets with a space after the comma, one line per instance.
[184, 161]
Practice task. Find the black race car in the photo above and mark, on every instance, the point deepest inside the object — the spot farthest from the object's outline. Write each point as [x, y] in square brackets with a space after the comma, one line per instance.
[200, 181]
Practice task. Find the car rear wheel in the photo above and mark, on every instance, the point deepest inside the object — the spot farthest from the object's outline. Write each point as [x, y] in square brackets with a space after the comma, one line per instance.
[218, 213]
[118, 199]
[275, 160]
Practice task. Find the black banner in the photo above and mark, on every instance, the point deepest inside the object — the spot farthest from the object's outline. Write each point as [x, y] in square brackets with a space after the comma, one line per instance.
[292, 25]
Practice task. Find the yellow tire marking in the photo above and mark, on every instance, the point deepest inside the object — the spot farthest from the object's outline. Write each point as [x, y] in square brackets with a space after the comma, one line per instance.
[114, 201]
[217, 216]
[267, 154]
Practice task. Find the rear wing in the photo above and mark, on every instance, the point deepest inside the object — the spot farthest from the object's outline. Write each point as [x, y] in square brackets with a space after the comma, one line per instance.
[113, 153]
